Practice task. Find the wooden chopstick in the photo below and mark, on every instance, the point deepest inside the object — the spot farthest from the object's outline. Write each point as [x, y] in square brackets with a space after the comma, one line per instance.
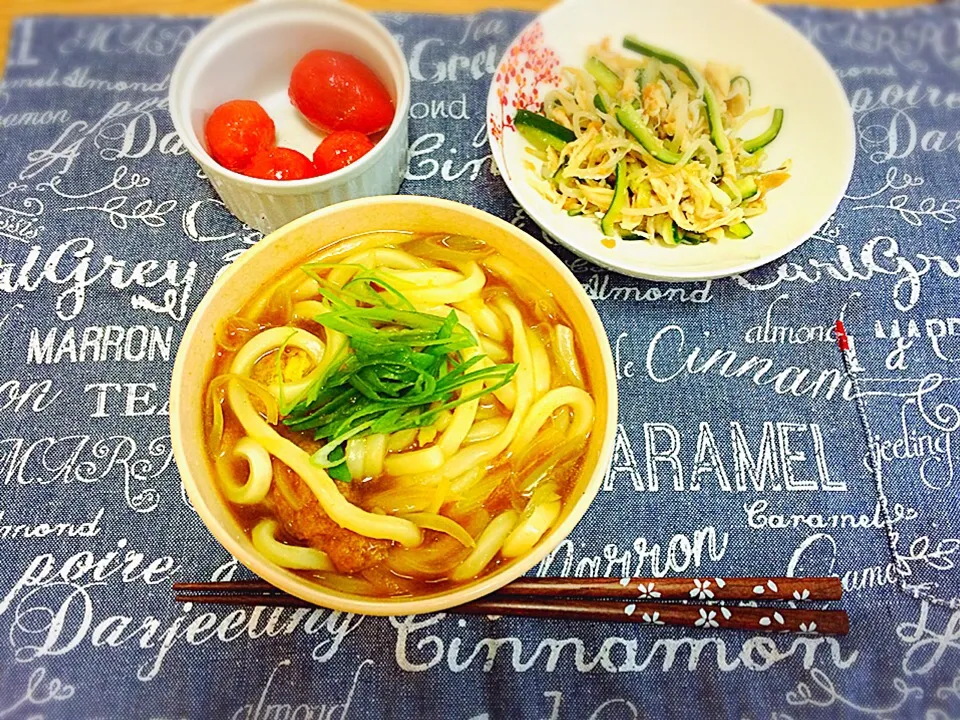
[757, 619]
[645, 589]
[650, 589]
[544, 598]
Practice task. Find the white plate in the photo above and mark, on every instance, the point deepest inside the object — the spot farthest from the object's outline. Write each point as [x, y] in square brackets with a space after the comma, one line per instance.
[785, 70]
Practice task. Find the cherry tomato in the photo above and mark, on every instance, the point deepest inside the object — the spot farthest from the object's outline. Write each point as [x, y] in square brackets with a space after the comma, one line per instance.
[339, 149]
[280, 164]
[335, 91]
[236, 131]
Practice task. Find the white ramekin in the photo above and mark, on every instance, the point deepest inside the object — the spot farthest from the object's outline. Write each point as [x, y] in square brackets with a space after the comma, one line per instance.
[249, 53]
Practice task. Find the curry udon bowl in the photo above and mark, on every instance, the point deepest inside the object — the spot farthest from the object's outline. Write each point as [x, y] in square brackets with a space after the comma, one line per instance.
[330, 230]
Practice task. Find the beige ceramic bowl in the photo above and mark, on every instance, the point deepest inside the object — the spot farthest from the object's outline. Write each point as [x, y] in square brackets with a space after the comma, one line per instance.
[290, 246]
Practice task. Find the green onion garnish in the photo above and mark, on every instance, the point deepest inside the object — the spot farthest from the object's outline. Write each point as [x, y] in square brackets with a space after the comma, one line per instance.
[404, 371]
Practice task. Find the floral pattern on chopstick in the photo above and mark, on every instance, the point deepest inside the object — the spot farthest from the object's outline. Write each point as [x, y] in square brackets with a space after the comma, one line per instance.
[753, 619]
[716, 588]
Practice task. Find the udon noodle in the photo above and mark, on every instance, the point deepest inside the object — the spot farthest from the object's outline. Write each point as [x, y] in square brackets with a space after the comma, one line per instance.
[402, 413]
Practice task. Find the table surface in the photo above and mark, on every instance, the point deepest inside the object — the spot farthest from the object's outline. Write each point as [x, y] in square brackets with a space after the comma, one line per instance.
[9, 9]
[769, 433]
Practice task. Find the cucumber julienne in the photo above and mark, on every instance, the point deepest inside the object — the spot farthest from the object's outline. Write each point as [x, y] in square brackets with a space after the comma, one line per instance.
[542, 132]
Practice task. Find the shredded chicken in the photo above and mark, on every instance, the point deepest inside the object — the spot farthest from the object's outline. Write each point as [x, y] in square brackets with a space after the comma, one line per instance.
[654, 100]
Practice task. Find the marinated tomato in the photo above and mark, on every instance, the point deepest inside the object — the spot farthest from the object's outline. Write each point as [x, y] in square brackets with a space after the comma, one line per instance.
[280, 164]
[236, 131]
[335, 91]
[339, 149]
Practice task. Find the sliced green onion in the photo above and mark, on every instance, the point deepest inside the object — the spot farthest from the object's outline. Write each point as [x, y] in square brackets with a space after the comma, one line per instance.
[405, 369]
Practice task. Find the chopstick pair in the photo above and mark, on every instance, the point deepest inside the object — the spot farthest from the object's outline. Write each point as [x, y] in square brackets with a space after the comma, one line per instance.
[631, 600]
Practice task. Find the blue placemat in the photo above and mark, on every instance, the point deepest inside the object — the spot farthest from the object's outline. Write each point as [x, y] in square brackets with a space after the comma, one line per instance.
[742, 447]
